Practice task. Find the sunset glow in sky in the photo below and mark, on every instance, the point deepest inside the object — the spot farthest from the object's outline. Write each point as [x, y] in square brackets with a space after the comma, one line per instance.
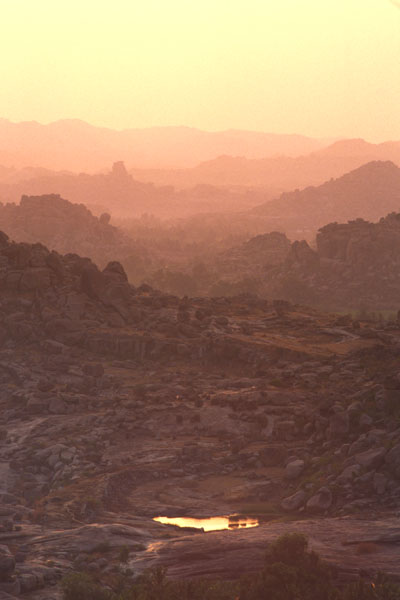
[316, 67]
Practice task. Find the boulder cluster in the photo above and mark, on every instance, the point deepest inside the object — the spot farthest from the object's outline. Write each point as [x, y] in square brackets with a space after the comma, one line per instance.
[354, 265]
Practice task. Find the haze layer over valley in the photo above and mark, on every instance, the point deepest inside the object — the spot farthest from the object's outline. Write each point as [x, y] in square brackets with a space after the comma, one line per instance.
[171, 239]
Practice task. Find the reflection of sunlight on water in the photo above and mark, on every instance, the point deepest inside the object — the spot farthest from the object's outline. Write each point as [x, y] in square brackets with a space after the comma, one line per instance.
[211, 524]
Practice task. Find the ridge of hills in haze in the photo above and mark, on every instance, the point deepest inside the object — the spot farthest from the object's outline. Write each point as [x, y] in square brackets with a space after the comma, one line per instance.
[191, 253]
[214, 255]
[367, 192]
[282, 173]
[78, 146]
[117, 191]
[225, 184]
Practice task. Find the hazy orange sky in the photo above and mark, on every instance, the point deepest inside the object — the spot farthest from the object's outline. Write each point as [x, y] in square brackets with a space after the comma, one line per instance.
[317, 67]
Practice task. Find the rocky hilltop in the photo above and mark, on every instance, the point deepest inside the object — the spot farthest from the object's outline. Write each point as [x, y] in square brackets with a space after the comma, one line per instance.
[349, 266]
[120, 404]
[354, 265]
[68, 227]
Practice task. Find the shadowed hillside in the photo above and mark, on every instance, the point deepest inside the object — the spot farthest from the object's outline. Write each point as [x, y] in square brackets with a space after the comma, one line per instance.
[367, 192]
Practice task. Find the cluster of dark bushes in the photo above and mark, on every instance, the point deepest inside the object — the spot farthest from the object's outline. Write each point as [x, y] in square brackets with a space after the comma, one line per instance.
[291, 572]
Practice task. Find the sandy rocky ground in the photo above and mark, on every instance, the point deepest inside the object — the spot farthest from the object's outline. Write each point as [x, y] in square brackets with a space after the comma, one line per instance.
[121, 404]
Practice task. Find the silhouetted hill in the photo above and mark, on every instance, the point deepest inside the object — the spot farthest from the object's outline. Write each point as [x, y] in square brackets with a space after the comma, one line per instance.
[72, 228]
[367, 192]
[362, 149]
[75, 145]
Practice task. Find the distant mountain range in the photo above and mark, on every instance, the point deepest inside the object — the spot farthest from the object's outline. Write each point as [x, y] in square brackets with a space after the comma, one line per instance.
[279, 173]
[367, 192]
[181, 156]
[118, 192]
[77, 146]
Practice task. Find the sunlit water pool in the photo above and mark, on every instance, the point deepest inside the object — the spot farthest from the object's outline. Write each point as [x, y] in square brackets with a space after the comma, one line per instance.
[212, 523]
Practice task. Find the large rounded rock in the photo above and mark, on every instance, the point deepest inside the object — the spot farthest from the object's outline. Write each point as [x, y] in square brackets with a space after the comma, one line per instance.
[371, 459]
[294, 502]
[294, 469]
[349, 473]
[115, 272]
[321, 501]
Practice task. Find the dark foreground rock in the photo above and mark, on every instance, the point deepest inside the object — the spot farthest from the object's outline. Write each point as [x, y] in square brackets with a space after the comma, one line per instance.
[340, 542]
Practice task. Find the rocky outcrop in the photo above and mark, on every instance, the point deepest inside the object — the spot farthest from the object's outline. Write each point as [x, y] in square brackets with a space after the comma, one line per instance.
[354, 265]
[72, 228]
[321, 501]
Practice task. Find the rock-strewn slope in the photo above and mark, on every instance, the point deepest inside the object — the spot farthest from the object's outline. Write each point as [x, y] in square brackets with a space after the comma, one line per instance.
[120, 404]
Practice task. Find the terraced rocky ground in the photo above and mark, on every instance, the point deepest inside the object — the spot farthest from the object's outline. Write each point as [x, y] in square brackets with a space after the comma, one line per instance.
[120, 404]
